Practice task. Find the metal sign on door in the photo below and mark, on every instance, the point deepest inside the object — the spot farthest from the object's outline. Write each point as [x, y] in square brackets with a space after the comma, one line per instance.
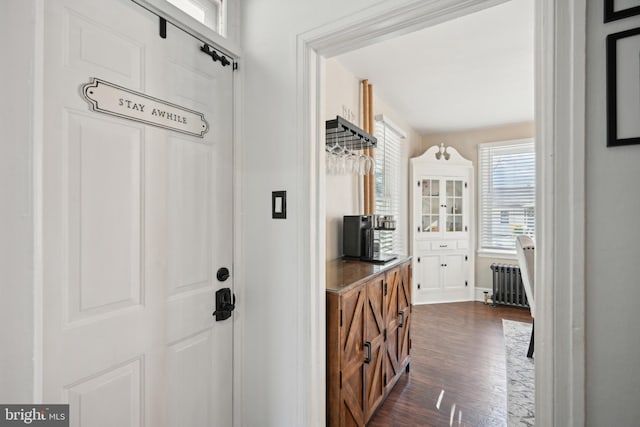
[110, 98]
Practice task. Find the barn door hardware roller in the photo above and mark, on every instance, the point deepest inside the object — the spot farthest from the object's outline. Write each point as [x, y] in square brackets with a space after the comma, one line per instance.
[215, 55]
[163, 27]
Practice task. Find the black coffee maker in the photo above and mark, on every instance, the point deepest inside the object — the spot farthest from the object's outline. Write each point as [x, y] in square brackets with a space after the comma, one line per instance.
[360, 237]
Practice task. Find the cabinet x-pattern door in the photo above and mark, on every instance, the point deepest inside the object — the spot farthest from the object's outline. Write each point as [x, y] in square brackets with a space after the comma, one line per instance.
[393, 283]
[404, 311]
[352, 338]
[374, 345]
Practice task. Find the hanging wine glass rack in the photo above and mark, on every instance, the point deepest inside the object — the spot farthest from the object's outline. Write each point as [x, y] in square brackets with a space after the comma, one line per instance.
[343, 132]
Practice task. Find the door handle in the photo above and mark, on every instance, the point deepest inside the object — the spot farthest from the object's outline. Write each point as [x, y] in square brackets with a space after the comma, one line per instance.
[401, 314]
[224, 304]
[367, 359]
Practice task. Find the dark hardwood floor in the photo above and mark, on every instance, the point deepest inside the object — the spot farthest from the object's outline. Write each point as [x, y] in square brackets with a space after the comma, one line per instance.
[457, 348]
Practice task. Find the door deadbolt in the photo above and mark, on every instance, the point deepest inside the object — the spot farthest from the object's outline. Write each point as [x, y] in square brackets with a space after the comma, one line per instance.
[222, 274]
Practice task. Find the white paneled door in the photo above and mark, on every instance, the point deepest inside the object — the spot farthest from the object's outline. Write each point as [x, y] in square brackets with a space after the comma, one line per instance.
[137, 219]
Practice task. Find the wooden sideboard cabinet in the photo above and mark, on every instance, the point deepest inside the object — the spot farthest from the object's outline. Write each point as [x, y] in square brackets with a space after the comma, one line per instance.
[368, 336]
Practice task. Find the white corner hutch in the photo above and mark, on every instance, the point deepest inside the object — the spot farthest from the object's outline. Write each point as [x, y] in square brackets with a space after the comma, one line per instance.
[442, 238]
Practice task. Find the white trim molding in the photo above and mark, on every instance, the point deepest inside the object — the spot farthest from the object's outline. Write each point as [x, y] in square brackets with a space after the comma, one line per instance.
[310, 299]
[560, 219]
[496, 254]
[238, 251]
[560, 78]
[38, 192]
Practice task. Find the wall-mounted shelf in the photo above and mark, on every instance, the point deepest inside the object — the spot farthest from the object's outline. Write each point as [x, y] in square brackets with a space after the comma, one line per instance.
[346, 134]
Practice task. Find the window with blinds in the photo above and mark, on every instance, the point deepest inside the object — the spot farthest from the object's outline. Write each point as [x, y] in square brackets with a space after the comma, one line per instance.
[506, 194]
[389, 183]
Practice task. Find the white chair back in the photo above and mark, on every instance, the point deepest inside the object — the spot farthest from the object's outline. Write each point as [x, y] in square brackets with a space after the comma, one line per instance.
[525, 249]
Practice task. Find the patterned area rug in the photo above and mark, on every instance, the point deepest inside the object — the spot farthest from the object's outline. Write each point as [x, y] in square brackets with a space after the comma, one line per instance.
[520, 374]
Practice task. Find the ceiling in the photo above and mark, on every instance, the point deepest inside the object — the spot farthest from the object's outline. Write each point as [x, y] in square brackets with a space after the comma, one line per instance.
[473, 72]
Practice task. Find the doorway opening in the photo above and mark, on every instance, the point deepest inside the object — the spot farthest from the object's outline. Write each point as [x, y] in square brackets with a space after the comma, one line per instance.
[382, 23]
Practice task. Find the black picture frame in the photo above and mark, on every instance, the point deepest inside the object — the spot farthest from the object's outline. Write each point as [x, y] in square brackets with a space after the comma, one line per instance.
[610, 14]
[613, 139]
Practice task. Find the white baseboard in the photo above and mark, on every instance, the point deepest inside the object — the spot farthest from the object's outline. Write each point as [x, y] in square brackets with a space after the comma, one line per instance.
[478, 295]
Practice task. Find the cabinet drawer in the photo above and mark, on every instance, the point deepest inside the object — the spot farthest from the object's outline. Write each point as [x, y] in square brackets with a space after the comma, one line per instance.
[423, 246]
[443, 245]
[463, 244]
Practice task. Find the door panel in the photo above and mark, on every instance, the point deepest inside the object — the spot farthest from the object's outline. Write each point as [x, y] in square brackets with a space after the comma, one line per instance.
[137, 219]
[404, 306]
[429, 266]
[351, 339]
[189, 215]
[200, 240]
[120, 386]
[374, 378]
[454, 274]
[106, 46]
[102, 200]
[189, 367]
[95, 284]
[374, 335]
[392, 368]
[393, 279]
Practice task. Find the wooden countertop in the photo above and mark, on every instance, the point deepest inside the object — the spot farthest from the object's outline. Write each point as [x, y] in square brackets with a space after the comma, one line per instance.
[344, 274]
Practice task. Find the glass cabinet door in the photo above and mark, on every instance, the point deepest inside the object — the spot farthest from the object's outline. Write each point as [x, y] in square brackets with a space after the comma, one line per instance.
[430, 205]
[442, 205]
[454, 210]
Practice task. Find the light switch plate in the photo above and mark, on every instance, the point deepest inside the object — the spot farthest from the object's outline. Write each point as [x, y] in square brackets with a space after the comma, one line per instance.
[279, 204]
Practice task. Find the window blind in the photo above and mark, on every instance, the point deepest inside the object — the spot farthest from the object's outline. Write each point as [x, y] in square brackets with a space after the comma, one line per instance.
[389, 183]
[506, 194]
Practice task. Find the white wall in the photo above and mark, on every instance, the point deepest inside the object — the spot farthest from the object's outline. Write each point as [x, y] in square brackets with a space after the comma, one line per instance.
[612, 249]
[466, 142]
[344, 194]
[16, 202]
[274, 388]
